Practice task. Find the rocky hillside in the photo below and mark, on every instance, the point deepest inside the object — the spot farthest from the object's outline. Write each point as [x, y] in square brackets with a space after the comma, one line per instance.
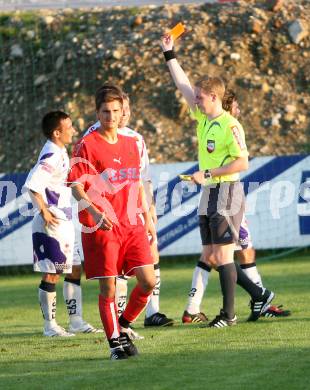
[58, 59]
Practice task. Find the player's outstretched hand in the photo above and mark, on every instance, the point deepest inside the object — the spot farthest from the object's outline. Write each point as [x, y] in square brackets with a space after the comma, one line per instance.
[199, 177]
[166, 42]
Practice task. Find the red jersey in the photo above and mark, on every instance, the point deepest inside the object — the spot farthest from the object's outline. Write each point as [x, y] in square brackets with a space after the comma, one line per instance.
[110, 174]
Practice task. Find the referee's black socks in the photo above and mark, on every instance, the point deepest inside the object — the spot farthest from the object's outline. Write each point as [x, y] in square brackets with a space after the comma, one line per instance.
[228, 278]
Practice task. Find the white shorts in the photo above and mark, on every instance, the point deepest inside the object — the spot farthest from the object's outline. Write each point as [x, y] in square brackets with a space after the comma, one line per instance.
[77, 255]
[245, 239]
[52, 247]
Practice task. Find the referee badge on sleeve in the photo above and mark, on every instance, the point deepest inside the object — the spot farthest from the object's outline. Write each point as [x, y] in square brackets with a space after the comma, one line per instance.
[210, 145]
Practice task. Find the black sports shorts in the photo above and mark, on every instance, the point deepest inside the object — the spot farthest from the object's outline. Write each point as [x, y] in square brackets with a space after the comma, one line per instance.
[221, 209]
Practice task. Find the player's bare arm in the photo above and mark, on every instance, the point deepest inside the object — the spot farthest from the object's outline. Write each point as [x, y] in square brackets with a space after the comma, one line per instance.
[48, 217]
[148, 222]
[149, 193]
[100, 218]
[179, 77]
[238, 165]
[153, 214]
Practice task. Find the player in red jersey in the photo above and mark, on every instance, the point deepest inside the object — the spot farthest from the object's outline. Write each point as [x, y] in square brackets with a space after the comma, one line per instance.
[105, 177]
[152, 315]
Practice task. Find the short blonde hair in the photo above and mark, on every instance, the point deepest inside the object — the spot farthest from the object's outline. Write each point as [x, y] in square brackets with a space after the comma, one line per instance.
[212, 84]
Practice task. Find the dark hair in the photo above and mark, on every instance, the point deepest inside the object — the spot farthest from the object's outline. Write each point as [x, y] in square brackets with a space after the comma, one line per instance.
[51, 122]
[108, 93]
[228, 100]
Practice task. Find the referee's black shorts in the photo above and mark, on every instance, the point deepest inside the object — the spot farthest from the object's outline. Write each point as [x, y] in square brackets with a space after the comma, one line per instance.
[221, 209]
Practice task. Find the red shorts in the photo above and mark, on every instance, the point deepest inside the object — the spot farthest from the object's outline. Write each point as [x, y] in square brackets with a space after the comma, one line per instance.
[111, 253]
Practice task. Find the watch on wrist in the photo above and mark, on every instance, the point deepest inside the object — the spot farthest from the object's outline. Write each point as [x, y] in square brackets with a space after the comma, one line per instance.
[207, 174]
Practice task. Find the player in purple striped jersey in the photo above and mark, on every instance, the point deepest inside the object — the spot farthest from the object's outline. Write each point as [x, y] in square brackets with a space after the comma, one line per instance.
[53, 229]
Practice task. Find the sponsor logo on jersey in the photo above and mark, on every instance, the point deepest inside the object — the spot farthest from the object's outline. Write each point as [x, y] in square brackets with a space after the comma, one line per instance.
[210, 145]
[92, 128]
[118, 160]
[118, 175]
[46, 167]
[238, 137]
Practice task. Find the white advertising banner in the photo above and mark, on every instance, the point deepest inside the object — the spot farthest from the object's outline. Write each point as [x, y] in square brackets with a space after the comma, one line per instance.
[277, 210]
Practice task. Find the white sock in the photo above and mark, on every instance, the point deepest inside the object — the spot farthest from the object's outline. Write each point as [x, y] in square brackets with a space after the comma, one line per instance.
[73, 299]
[47, 302]
[153, 303]
[252, 273]
[121, 289]
[199, 284]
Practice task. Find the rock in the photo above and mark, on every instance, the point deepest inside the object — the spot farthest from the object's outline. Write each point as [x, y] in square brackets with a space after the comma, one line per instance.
[256, 26]
[259, 13]
[40, 80]
[302, 118]
[138, 20]
[265, 149]
[48, 19]
[275, 5]
[265, 87]
[116, 54]
[76, 84]
[278, 23]
[140, 123]
[59, 62]
[235, 56]
[298, 31]
[289, 117]
[290, 108]
[16, 51]
[158, 128]
[219, 60]
[275, 120]
[31, 34]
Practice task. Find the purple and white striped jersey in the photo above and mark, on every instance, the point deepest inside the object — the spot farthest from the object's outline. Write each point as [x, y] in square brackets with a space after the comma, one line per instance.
[48, 178]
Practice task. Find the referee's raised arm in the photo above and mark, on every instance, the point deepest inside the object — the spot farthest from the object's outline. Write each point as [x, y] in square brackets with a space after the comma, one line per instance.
[179, 77]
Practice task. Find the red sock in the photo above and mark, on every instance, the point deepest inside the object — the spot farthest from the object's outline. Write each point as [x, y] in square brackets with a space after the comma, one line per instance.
[137, 302]
[109, 318]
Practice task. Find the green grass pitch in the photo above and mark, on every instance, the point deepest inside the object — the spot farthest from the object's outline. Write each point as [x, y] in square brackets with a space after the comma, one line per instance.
[269, 354]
